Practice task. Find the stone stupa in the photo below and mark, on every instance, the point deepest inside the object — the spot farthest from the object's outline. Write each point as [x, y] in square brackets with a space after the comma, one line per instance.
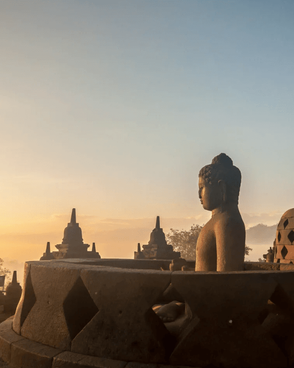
[157, 247]
[284, 242]
[72, 245]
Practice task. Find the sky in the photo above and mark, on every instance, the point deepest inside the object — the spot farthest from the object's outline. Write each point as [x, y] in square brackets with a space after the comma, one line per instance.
[113, 106]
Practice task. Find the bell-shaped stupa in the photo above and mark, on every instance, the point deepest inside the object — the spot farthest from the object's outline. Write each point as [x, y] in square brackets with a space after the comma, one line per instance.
[284, 242]
[72, 245]
[157, 247]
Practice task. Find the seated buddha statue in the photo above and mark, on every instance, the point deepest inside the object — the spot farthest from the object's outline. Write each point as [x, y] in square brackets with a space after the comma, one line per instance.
[221, 242]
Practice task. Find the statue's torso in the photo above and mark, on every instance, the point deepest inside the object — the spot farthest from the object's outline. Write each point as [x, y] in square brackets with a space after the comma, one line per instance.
[206, 249]
[221, 243]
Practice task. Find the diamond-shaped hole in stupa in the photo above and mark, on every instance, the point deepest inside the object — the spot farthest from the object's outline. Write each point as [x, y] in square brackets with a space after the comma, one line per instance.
[29, 299]
[279, 237]
[79, 308]
[291, 236]
[286, 223]
[284, 252]
[174, 314]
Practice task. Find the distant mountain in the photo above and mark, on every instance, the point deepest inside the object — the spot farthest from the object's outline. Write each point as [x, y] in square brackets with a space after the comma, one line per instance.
[261, 234]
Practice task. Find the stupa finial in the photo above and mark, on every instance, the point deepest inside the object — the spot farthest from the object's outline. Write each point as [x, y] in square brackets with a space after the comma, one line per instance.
[157, 226]
[14, 278]
[48, 248]
[73, 216]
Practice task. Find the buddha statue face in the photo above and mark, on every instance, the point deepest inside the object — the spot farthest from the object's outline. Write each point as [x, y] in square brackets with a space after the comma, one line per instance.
[210, 195]
[219, 183]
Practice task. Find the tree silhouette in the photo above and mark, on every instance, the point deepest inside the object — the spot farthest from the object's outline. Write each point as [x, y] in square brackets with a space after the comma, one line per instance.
[184, 241]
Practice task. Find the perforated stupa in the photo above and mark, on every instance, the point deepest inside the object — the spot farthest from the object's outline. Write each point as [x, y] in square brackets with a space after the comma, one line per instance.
[284, 242]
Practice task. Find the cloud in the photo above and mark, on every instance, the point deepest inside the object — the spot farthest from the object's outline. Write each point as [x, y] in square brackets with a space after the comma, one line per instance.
[252, 219]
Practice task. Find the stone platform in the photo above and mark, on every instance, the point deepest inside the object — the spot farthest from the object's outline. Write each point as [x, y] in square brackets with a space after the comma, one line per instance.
[81, 313]
[21, 352]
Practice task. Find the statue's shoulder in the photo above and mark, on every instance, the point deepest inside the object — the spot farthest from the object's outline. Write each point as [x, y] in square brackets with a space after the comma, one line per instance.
[228, 219]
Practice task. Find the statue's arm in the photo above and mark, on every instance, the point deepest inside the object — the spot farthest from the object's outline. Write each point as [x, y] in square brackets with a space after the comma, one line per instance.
[230, 244]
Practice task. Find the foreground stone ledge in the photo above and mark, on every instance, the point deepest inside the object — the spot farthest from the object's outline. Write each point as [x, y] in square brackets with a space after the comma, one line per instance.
[236, 319]
[7, 337]
[96, 362]
[67, 359]
[263, 266]
[28, 354]
[180, 366]
[73, 360]
[140, 365]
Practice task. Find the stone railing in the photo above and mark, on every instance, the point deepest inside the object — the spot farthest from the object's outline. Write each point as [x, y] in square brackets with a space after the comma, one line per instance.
[237, 319]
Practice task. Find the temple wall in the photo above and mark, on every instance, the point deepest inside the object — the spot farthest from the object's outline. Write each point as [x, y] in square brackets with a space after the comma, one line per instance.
[239, 319]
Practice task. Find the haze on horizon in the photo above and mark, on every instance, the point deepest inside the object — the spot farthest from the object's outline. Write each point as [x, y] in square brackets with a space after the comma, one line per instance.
[112, 107]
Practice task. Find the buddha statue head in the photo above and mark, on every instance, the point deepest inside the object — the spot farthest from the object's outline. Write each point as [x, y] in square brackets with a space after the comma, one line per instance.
[219, 183]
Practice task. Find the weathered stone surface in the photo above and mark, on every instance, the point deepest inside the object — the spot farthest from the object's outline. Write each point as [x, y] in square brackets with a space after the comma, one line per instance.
[280, 321]
[124, 329]
[286, 266]
[7, 337]
[239, 319]
[177, 366]
[226, 330]
[28, 354]
[140, 264]
[261, 266]
[3, 364]
[7, 324]
[44, 321]
[140, 365]
[72, 360]
[284, 241]
[283, 236]
[97, 362]
[67, 359]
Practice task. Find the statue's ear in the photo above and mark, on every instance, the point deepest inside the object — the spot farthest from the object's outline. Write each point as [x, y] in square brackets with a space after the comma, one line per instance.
[223, 188]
